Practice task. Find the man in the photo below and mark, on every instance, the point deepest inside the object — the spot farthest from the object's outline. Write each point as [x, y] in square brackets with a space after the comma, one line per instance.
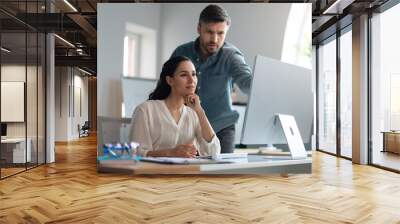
[218, 64]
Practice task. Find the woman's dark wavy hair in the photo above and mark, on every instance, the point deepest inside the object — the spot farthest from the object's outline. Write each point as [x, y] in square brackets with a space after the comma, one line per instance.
[162, 89]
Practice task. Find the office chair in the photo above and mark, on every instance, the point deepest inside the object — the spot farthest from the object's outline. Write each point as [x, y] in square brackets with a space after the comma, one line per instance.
[84, 130]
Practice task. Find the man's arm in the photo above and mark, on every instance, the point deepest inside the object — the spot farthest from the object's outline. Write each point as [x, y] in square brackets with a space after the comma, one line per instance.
[241, 72]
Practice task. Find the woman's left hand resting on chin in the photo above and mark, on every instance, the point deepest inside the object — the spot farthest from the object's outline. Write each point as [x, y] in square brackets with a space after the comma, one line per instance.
[193, 101]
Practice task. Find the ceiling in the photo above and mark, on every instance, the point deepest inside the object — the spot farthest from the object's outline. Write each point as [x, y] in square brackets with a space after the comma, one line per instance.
[77, 23]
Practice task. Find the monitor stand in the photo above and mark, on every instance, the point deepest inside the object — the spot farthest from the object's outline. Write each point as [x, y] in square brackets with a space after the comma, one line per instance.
[292, 135]
[269, 147]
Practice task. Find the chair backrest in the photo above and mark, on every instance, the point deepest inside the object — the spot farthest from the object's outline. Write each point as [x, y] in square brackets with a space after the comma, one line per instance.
[86, 125]
[111, 130]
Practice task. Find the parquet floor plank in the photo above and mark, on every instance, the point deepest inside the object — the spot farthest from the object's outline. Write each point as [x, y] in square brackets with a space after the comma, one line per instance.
[71, 191]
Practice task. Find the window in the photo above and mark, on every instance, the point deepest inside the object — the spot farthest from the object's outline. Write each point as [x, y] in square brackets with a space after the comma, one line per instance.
[385, 87]
[22, 65]
[297, 41]
[327, 96]
[394, 101]
[346, 94]
[140, 52]
[131, 55]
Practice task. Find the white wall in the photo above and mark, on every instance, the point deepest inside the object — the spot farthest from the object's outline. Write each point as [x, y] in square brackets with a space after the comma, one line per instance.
[66, 121]
[80, 82]
[257, 28]
[33, 127]
[61, 103]
[15, 72]
[111, 28]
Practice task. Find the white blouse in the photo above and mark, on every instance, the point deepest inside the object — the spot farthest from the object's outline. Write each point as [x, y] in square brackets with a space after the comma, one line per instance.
[154, 128]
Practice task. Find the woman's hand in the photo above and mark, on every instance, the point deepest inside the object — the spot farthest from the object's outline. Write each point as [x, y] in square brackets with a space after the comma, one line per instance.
[193, 101]
[185, 150]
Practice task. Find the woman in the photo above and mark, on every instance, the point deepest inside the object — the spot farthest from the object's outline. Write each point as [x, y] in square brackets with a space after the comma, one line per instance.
[172, 122]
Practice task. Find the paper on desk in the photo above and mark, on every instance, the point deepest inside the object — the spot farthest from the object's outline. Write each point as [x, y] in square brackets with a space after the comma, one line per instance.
[178, 160]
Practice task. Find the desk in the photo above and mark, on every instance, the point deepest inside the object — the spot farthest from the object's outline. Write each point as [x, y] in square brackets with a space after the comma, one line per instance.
[257, 164]
[15, 148]
[391, 141]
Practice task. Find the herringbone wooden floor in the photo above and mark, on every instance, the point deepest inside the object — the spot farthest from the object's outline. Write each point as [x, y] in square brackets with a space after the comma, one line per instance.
[70, 191]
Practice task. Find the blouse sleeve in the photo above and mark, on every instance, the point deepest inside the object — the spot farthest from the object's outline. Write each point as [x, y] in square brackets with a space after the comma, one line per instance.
[140, 131]
[211, 148]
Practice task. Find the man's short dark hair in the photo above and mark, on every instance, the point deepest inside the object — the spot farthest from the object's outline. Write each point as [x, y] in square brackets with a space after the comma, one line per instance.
[214, 14]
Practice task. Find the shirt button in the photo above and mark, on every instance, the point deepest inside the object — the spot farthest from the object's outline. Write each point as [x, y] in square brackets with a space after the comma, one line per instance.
[199, 73]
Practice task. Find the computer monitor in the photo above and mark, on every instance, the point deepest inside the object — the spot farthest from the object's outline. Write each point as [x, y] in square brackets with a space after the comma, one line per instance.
[134, 92]
[3, 129]
[277, 88]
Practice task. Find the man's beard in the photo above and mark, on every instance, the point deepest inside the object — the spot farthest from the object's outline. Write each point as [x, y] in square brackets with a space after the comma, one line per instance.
[211, 50]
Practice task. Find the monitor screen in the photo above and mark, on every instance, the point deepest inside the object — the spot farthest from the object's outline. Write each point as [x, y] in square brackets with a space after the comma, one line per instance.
[3, 129]
[134, 92]
[277, 88]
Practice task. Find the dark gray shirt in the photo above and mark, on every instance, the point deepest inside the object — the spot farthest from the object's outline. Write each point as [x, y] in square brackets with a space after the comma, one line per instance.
[216, 75]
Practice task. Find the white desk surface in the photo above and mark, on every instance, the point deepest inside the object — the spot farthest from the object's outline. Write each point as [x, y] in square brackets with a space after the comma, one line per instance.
[257, 164]
[20, 152]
